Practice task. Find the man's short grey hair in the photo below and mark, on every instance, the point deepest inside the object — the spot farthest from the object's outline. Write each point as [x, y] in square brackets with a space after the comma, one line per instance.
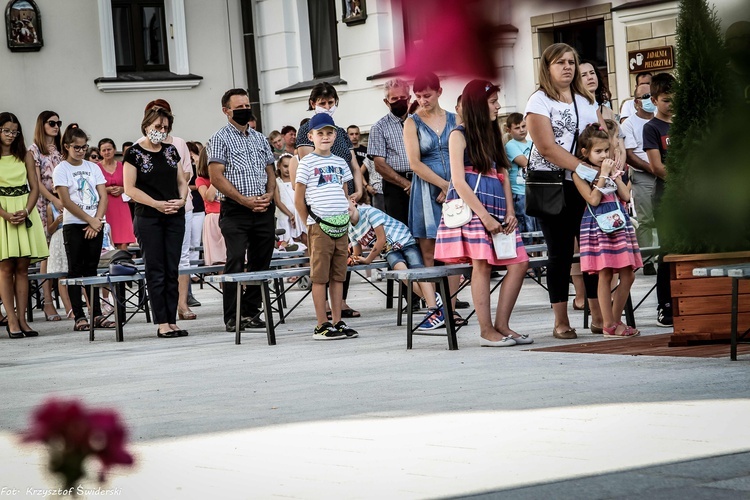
[396, 83]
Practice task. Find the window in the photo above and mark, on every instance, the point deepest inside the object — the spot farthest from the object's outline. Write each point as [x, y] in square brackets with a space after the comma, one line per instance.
[414, 27]
[323, 40]
[140, 35]
[588, 40]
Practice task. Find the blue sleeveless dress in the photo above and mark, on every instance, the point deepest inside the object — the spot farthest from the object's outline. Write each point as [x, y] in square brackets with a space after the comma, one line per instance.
[424, 211]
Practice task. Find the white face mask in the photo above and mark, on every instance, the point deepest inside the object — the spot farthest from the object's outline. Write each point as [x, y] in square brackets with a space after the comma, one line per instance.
[156, 137]
[329, 112]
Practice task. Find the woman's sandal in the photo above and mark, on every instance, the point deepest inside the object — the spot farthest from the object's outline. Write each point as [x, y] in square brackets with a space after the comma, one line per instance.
[82, 325]
[350, 313]
[187, 315]
[628, 331]
[103, 323]
[459, 320]
[51, 317]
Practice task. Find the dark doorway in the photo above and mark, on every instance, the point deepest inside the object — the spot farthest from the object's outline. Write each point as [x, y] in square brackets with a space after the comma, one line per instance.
[251, 63]
[587, 38]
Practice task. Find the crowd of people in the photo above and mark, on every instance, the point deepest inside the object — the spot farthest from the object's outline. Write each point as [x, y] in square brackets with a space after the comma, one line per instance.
[569, 167]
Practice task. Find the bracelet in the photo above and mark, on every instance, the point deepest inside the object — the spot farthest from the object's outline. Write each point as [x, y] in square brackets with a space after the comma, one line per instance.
[27, 212]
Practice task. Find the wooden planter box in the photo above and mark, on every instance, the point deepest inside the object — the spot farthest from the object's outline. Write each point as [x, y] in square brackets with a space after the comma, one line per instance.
[702, 306]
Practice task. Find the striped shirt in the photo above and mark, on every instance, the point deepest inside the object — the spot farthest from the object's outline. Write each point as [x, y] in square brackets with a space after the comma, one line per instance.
[397, 235]
[244, 157]
[387, 141]
[324, 178]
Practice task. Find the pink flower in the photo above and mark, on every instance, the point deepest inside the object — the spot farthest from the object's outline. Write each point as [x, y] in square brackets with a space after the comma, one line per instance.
[73, 432]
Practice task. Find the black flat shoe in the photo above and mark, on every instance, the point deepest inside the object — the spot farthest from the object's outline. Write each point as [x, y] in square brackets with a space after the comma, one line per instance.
[181, 333]
[167, 335]
[13, 335]
[30, 333]
[252, 323]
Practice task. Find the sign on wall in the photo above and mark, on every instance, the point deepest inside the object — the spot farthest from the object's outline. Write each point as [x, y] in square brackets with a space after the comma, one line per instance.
[655, 59]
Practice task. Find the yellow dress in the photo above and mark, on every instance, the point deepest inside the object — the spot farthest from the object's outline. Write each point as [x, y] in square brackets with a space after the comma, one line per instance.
[19, 240]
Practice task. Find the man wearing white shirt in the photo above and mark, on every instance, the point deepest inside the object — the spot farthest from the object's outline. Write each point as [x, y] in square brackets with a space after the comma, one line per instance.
[644, 181]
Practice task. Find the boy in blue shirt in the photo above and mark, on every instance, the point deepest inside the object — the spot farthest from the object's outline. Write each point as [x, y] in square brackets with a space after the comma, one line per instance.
[518, 150]
[392, 239]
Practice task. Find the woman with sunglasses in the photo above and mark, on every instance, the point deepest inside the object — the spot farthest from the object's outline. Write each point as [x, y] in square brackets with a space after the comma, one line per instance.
[46, 151]
[21, 231]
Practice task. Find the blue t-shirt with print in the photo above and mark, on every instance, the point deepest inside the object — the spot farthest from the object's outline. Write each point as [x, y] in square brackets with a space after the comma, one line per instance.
[397, 235]
[514, 149]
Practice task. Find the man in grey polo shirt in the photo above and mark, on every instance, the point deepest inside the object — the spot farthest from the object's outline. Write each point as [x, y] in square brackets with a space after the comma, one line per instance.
[386, 147]
[241, 166]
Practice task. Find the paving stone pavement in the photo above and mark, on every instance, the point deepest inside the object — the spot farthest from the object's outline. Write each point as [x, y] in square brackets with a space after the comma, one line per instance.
[365, 418]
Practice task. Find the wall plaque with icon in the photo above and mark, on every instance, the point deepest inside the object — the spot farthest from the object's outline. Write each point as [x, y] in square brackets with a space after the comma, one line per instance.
[655, 59]
[355, 12]
[23, 26]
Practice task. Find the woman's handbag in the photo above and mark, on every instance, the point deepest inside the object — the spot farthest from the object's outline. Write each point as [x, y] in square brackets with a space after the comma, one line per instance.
[544, 192]
[456, 213]
[544, 188]
[505, 245]
[609, 222]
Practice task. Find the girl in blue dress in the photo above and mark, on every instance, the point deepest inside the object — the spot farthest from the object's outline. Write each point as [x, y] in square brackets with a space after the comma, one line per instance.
[426, 135]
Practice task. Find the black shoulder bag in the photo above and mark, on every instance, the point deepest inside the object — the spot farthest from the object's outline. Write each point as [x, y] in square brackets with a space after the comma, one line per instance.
[544, 188]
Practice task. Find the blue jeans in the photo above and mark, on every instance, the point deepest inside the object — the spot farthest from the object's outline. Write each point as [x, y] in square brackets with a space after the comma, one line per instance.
[526, 224]
[409, 255]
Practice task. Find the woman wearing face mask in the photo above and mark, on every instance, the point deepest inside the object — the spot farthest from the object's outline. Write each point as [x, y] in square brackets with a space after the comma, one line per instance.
[325, 99]
[186, 300]
[159, 188]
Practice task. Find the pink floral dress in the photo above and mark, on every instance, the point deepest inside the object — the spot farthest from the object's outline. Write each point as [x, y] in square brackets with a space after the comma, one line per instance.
[45, 164]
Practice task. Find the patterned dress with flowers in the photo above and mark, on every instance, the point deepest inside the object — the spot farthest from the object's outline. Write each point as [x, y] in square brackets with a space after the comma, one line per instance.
[472, 240]
[45, 164]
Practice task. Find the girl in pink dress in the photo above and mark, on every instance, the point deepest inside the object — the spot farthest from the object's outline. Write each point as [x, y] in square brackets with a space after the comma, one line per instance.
[477, 158]
[615, 251]
[118, 212]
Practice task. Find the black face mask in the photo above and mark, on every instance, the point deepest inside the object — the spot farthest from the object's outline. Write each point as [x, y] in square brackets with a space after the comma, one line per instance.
[242, 116]
[400, 107]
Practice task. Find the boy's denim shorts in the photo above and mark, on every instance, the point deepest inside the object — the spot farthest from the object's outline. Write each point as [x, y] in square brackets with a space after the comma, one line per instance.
[409, 255]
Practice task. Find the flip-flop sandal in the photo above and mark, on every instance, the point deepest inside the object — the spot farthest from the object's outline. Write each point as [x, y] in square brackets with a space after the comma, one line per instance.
[82, 325]
[103, 323]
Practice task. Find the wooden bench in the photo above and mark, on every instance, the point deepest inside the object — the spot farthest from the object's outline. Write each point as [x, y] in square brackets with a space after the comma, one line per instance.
[117, 288]
[262, 279]
[737, 272]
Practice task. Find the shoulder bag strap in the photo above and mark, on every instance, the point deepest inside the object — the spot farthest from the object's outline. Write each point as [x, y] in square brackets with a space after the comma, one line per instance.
[476, 186]
[575, 134]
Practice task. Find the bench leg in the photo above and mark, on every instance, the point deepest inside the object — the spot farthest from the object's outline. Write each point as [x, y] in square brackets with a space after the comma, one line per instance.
[389, 294]
[238, 314]
[278, 285]
[735, 290]
[409, 316]
[400, 305]
[629, 313]
[266, 295]
[91, 314]
[120, 312]
[450, 324]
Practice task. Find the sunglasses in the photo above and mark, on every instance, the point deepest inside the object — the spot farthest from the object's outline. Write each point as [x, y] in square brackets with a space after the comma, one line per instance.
[95, 157]
[645, 96]
[53, 123]
[80, 149]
